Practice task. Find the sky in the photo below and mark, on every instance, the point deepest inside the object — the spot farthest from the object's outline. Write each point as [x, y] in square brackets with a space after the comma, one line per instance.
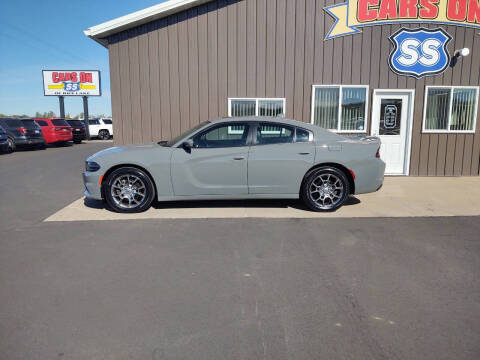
[48, 34]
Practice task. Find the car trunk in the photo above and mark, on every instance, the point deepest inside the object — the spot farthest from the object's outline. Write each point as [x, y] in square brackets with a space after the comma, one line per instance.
[61, 129]
[32, 130]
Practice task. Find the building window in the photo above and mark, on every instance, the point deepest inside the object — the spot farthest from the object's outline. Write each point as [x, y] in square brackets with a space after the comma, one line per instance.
[256, 107]
[340, 108]
[450, 109]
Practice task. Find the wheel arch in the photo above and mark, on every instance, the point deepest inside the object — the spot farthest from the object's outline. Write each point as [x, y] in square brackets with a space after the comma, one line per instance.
[115, 167]
[338, 166]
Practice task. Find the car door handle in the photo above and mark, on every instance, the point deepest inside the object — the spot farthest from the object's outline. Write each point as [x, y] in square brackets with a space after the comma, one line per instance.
[304, 153]
[239, 158]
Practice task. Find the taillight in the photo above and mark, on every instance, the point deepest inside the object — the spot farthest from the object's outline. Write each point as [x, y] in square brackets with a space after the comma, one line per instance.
[377, 155]
[22, 130]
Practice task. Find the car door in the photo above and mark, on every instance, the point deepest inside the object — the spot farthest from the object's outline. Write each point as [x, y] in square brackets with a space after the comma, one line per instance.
[215, 165]
[93, 127]
[279, 158]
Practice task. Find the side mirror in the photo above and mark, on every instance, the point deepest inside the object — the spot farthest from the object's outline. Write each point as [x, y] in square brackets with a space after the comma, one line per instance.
[187, 145]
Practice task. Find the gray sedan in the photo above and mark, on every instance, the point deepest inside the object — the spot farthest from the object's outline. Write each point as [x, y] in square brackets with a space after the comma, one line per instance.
[238, 158]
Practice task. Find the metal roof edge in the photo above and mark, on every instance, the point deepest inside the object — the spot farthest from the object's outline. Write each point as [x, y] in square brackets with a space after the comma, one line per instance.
[101, 31]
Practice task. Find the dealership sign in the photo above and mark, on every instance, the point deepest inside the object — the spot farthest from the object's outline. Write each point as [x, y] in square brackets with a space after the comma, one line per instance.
[355, 14]
[419, 52]
[71, 82]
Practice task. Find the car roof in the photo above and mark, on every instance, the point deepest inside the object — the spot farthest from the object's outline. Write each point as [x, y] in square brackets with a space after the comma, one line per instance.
[317, 130]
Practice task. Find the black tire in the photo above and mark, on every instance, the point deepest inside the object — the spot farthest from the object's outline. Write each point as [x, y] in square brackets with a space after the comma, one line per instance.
[103, 135]
[115, 202]
[325, 197]
[11, 145]
[77, 141]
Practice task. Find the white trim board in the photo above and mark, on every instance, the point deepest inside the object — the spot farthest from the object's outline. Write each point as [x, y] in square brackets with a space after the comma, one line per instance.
[101, 31]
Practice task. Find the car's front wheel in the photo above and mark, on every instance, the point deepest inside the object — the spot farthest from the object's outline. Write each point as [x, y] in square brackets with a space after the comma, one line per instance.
[129, 190]
[325, 189]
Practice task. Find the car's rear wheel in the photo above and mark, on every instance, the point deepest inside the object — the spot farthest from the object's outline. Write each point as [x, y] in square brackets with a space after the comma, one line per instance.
[325, 189]
[104, 134]
[129, 190]
[11, 145]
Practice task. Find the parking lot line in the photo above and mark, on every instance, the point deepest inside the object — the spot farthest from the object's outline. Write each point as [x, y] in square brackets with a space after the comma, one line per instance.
[399, 197]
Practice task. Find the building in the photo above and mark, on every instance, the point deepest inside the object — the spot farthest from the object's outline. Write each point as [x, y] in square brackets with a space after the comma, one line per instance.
[181, 62]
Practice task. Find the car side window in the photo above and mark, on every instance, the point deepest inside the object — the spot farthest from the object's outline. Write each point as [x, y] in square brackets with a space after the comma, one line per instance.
[93, 122]
[303, 135]
[274, 134]
[42, 123]
[224, 135]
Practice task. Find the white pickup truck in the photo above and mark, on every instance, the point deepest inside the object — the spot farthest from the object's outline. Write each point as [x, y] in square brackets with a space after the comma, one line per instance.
[101, 128]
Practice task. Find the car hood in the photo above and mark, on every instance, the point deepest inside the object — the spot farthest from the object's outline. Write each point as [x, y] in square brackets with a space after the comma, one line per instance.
[126, 150]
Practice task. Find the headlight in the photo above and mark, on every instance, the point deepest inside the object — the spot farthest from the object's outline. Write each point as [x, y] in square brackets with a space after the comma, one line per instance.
[91, 166]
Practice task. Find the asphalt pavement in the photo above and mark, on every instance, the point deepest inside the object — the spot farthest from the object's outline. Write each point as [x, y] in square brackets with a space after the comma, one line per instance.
[253, 288]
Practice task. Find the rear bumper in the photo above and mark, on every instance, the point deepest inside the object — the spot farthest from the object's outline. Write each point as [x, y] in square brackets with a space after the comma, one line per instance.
[369, 178]
[93, 189]
[29, 141]
[79, 136]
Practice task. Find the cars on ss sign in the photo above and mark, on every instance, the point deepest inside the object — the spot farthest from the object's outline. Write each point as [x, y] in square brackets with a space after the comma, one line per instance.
[238, 158]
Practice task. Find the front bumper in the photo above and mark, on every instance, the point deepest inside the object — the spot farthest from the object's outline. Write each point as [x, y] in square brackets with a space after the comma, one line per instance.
[93, 190]
[3, 145]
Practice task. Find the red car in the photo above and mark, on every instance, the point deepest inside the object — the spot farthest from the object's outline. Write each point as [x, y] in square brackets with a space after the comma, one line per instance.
[55, 130]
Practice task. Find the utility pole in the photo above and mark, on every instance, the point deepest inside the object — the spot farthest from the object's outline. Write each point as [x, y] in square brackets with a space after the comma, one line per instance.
[62, 107]
[85, 116]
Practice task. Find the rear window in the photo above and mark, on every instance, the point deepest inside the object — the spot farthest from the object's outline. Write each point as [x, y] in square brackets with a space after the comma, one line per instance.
[59, 122]
[106, 121]
[29, 124]
[75, 122]
[14, 123]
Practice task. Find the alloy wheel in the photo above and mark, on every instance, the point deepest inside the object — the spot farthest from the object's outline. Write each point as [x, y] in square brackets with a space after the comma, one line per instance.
[326, 190]
[128, 191]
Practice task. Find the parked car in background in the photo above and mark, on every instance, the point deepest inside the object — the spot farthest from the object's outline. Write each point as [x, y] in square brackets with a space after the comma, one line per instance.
[101, 128]
[35, 129]
[283, 158]
[78, 130]
[19, 135]
[55, 130]
[3, 141]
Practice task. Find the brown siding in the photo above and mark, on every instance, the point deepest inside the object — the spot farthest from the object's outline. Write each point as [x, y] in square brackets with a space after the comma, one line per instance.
[169, 75]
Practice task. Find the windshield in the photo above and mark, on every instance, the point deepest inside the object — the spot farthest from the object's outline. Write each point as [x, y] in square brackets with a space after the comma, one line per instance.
[59, 122]
[75, 122]
[184, 135]
[29, 124]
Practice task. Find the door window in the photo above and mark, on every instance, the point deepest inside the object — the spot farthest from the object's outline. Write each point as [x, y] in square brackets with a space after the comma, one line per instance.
[274, 134]
[390, 117]
[225, 135]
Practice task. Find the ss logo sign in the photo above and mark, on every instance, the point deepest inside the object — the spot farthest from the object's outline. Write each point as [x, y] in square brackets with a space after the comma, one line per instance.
[419, 52]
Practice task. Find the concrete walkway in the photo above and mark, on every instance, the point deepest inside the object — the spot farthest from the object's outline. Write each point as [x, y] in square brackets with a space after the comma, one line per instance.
[399, 197]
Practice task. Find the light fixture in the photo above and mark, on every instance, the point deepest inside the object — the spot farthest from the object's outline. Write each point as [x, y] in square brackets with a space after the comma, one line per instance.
[457, 54]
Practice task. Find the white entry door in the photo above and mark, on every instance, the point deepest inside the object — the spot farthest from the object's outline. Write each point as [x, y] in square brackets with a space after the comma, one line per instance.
[391, 122]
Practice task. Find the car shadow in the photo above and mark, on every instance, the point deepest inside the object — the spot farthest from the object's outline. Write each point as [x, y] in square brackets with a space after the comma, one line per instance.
[196, 204]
